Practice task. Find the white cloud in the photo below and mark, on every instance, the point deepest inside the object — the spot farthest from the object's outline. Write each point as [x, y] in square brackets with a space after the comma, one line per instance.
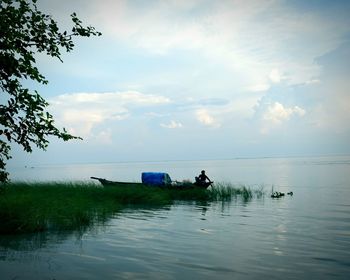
[81, 112]
[249, 37]
[332, 111]
[277, 113]
[205, 118]
[299, 111]
[259, 88]
[104, 137]
[312, 82]
[133, 97]
[172, 124]
[275, 76]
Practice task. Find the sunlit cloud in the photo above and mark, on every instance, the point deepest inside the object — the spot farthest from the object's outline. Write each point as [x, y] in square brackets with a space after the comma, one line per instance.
[205, 118]
[173, 124]
[250, 37]
[104, 137]
[275, 76]
[259, 88]
[81, 112]
[249, 67]
[277, 113]
[312, 82]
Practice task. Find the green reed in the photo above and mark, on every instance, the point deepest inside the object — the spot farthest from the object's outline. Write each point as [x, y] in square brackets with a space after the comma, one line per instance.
[33, 207]
[227, 191]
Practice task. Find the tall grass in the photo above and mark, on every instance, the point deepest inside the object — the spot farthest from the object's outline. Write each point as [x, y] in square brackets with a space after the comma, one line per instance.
[37, 207]
[227, 191]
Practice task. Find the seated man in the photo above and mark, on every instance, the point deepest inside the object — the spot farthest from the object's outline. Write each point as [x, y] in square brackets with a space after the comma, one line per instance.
[201, 180]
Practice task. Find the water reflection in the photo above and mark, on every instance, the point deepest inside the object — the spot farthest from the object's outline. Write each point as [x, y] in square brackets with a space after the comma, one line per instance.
[49, 239]
[34, 241]
[290, 238]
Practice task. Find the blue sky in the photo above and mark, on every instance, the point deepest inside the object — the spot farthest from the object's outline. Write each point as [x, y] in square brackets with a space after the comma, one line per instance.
[173, 80]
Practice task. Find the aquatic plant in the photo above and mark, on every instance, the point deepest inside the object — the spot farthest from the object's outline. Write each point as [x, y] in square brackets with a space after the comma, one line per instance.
[33, 207]
[226, 191]
[39, 207]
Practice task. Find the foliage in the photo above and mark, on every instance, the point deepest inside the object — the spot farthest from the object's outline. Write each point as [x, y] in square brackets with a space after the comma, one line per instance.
[25, 31]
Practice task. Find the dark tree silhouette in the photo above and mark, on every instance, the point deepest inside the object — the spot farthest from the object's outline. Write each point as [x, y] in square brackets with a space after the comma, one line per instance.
[25, 31]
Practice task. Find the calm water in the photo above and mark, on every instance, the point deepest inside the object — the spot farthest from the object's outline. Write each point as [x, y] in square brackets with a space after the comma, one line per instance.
[306, 236]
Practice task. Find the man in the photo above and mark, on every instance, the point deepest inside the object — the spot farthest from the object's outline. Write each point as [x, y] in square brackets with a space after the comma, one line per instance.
[201, 180]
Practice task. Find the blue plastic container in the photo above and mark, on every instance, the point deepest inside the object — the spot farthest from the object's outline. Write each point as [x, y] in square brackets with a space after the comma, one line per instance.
[155, 178]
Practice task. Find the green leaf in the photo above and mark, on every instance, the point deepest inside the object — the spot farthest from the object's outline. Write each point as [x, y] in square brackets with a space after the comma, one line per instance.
[25, 31]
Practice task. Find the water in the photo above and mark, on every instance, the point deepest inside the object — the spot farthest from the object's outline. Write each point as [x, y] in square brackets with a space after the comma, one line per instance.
[306, 236]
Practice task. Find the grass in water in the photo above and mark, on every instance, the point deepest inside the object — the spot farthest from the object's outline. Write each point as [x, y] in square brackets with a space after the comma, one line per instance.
[226, 191]
[33, 207]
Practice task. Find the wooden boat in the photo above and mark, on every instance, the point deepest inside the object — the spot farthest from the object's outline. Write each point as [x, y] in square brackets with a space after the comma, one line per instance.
[166, 184]
[108, 183]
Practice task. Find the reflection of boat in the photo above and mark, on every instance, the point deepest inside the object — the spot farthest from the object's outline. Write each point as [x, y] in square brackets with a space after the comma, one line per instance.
[155, 179]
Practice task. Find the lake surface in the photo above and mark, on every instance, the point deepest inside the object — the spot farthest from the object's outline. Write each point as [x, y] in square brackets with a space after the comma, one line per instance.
[304, 236]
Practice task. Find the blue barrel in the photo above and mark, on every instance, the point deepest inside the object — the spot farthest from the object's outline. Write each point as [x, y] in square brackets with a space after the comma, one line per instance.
[155, 178]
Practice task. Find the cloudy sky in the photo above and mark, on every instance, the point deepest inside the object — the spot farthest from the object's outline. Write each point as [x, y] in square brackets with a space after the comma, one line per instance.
[200, 79]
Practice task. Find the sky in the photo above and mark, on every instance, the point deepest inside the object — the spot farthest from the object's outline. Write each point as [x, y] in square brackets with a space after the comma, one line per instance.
[199, 79]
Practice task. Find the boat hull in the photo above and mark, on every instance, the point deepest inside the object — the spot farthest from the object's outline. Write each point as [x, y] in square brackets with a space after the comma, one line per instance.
[177, 185]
